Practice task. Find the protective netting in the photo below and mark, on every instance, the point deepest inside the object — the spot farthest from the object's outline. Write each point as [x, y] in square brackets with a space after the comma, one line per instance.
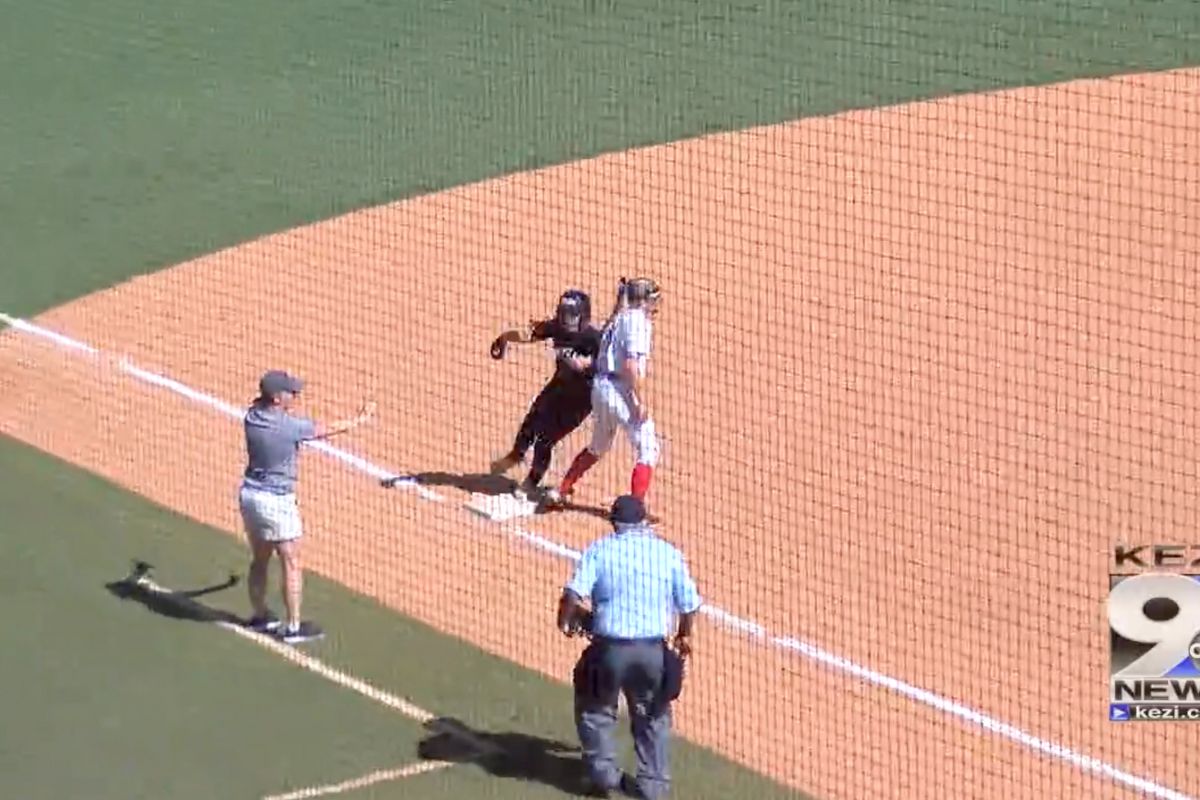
[917, 368]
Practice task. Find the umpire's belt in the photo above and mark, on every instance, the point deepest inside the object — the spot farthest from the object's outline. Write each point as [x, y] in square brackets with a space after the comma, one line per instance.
[618, 641]
[585, 675]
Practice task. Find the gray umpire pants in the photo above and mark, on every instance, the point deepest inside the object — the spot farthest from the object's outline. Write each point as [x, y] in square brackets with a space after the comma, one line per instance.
[634, 669]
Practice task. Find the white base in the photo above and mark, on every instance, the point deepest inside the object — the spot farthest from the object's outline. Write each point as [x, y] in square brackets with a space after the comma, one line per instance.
[500, 507]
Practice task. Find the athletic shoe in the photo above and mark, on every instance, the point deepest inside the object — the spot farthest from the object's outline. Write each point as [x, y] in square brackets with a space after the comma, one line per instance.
[264, 624]
[393, 481]
[593, 789]
[527, 491]
[504, 464]
[304, 632]
[553, 499]
[630, 788]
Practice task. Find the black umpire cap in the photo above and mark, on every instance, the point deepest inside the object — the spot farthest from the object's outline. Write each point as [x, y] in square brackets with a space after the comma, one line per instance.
[627, 510]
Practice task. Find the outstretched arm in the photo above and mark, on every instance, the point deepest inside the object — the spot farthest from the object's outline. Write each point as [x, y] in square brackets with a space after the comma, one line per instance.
[341, 426]
[520, 335]
[530, 333]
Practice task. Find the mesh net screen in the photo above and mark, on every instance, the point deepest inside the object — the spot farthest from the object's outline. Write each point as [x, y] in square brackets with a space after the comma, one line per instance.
[926, 347]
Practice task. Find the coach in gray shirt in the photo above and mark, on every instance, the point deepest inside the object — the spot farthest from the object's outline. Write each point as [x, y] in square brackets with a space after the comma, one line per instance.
[637, 583]
[267, 498]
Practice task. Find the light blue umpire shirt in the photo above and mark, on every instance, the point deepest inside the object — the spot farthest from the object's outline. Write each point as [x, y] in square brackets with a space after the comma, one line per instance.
[637, 582]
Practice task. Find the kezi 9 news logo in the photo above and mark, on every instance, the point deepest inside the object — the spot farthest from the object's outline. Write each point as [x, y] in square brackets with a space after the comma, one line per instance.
[1154, 627]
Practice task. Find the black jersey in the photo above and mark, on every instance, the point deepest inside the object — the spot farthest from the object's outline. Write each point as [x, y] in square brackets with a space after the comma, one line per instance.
[570, 344]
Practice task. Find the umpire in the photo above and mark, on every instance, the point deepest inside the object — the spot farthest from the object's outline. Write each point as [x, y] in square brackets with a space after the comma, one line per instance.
[637, 582]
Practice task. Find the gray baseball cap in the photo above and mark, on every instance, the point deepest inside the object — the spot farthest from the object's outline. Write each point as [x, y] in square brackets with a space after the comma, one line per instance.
[276, 381]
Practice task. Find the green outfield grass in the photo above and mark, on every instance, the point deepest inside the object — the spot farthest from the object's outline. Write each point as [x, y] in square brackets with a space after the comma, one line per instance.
[135, 135]
[104, 699]
[116, 700]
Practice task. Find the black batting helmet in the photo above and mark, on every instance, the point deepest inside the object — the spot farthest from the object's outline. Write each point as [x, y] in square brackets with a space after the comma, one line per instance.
[574, 307]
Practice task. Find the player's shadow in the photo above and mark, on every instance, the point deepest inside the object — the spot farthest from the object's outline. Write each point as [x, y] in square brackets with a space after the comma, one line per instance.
[176, 604]
[579, 508]
[600, 512]
[489, 484]
[473, 482]
[516, 756]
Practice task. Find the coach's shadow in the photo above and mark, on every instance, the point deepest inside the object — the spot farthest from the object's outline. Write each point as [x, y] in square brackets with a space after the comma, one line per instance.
[516, 756]
[175, 604]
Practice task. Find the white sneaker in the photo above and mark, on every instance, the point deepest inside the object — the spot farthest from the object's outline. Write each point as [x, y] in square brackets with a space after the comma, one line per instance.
[553, 498]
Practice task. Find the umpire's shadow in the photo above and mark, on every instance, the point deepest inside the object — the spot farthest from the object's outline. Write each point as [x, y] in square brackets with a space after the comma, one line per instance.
[517, 756]
[178, 603]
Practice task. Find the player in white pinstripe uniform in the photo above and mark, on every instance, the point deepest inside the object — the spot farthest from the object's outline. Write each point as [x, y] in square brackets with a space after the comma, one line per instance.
[619, 391]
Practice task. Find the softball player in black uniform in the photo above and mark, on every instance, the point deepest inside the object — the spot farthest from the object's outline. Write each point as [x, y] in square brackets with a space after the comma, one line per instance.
[566, 400]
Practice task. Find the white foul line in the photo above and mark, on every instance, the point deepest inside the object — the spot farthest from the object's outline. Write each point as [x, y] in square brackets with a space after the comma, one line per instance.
[757, 630]
[333, 675]
[373, 778]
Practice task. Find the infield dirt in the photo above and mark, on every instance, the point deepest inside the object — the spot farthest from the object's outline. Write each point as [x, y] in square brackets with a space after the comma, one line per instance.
[918, 367]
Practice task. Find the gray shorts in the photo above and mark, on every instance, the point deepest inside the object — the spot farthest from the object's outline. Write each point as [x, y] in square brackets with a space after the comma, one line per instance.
[270, 517]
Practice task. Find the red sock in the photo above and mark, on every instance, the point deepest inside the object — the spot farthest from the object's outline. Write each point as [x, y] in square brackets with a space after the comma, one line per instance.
[582, 463]
[639, 484]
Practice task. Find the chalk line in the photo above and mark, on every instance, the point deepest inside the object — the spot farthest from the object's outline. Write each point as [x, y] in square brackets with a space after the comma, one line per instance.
[752, 628]
[333, 675]
[380, 776]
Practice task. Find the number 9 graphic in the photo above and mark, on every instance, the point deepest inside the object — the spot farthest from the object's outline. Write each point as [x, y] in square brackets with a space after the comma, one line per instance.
[1172, 638]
